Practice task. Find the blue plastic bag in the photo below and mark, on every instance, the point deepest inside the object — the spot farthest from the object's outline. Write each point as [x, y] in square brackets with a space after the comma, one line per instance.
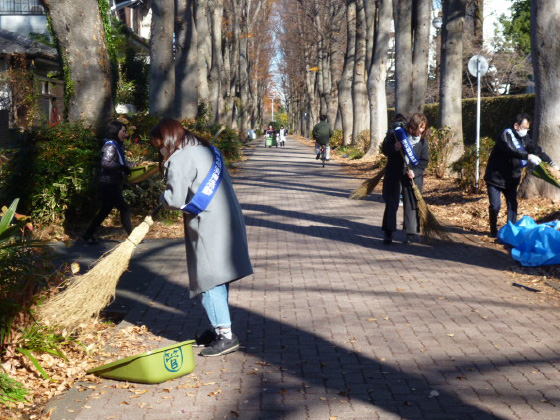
[533, 244]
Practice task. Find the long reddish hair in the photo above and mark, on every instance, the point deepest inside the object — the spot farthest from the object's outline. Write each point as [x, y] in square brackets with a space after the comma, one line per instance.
[171, 135]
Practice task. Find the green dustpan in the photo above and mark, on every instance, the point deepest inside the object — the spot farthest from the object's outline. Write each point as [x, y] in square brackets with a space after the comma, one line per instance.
[153, 367]
[142, 172]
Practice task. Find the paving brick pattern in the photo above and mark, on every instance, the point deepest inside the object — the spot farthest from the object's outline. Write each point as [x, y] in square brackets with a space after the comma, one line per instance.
[336, 325]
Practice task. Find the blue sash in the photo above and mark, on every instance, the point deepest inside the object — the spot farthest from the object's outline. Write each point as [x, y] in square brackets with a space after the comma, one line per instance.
[407, 147]
[517, 145]
[120, 149]
[209, 186]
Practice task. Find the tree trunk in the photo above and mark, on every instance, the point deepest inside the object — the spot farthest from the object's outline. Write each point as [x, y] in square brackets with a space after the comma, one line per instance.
[83, 48]
[203, 54]
[452, 74]
[420, 50]
[412, 24]
[545, 24]
[186, 70]
[403, 57]
[360, 101]
[162, 65]
[345, 84]
[215, 85]
[378, 76]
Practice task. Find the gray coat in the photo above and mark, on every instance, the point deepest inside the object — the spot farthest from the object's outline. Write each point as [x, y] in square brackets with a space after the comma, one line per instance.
[216, 239]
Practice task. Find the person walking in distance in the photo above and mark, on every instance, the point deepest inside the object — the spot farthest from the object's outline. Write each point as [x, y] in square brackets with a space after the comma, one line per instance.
[282, 133]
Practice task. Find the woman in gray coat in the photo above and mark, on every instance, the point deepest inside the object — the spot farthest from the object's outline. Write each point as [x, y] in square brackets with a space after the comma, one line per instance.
[215, 236]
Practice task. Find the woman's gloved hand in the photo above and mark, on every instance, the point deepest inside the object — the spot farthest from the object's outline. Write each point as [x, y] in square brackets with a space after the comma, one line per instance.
[534, 159]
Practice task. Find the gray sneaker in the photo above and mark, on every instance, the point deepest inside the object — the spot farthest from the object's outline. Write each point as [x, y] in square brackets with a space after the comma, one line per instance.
[221, 345]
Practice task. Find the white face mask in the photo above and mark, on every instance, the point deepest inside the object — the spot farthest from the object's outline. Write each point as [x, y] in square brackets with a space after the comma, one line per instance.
[522, 133]
[164, 152]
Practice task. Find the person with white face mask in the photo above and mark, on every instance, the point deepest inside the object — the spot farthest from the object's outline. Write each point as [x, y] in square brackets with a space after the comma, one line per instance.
[408, 154]
[513, 151]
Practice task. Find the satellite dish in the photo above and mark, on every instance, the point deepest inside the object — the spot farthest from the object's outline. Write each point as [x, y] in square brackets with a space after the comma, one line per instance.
[478, 65]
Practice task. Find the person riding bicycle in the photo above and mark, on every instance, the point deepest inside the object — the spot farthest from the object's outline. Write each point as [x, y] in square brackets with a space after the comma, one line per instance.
[322, 133]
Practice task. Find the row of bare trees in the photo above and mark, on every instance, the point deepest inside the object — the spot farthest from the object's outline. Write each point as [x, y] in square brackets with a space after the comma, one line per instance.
[212, 52]
[338, 56]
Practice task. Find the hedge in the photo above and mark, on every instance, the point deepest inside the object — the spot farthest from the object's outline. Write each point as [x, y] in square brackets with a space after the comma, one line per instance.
[496, 114]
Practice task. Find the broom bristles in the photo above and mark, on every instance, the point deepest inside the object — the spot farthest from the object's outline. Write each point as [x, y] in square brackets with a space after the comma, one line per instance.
[88, 294]
[430, 226]
[368, 186]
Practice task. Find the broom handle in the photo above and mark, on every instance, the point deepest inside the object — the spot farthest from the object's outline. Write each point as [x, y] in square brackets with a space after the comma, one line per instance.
[156, 210]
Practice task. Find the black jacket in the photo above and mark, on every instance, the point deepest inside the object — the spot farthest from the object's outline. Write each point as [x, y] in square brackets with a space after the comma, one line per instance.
[504, 165]
[396, 166]
[112, 170]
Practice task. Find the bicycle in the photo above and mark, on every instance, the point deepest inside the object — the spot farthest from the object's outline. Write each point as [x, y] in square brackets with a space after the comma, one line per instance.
[323, 154]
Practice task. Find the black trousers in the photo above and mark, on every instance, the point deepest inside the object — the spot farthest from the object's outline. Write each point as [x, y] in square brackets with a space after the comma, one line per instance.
[111, 197]
[392, 188]
[495, 198]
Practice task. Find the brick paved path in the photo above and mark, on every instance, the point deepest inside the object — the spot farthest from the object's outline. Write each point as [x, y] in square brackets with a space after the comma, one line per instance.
[336, 325]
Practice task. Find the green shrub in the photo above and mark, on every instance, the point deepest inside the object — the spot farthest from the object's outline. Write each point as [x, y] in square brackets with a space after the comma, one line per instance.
[363, 141]
[337, 138]
[53, 172]
[440, 149]
[465, 167]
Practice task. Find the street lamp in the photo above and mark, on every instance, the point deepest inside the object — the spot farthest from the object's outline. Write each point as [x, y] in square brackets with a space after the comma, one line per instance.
[478, 66]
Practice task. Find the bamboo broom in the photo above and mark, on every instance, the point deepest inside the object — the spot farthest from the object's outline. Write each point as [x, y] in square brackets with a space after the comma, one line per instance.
[368, 185]
[89, 293]
[429, 225]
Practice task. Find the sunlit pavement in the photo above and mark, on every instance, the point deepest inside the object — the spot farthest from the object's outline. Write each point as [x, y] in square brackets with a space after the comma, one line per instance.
[336, 325]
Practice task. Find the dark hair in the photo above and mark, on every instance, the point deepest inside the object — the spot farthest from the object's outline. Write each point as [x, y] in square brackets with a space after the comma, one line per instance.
[399, 120]
[173, 135]
[520, 117]
[322, 117]
[112, 130]
[414, 123]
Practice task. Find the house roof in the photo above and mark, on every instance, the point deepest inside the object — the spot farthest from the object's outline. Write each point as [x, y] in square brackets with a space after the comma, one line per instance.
[13, 43]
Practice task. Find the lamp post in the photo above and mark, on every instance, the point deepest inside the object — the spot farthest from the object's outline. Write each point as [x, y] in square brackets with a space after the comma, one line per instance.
[478, 66]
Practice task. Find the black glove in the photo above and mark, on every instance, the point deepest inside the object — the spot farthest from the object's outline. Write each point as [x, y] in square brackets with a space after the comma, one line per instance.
[126, 170]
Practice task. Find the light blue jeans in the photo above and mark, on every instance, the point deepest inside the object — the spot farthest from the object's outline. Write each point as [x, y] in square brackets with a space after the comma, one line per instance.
[327, 150]
[215, 303]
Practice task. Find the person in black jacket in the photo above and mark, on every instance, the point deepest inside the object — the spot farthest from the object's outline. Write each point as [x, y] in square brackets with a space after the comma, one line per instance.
[512, 152]
[111, 180]
[403, 168]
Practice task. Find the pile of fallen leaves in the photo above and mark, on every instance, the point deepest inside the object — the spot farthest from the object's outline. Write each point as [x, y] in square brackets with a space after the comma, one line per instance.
[88, 349]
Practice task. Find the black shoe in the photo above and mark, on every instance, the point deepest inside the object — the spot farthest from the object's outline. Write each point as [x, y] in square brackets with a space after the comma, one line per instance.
[221, 345]
[206, 338]
[409, 238]
[318, 156]
[387, 238]
[90, 240]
